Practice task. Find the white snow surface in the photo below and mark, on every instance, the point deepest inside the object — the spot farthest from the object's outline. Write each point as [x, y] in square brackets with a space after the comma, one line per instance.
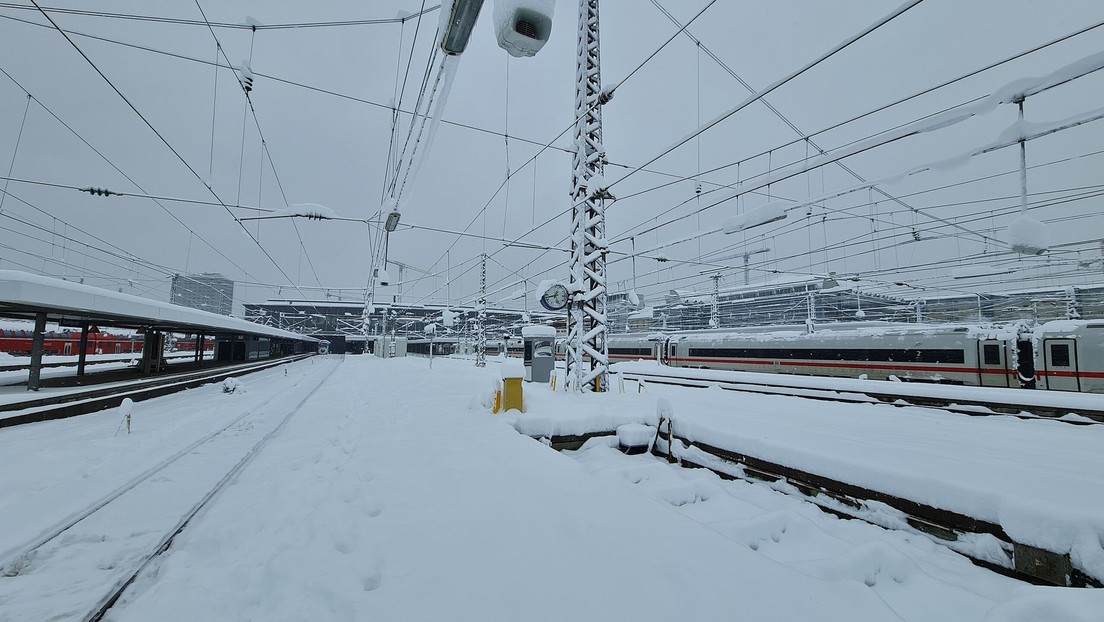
[385, 498]
[538, 330]
[1036, 478]
[511, 368]
[37, 290]
[1027, 235]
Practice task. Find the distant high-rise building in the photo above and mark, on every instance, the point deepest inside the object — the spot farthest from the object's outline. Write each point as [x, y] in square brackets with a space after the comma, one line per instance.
[207, 292]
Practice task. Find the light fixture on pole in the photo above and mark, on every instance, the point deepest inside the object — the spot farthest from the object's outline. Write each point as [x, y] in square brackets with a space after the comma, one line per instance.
[392, 221]
[523, 26]
[458, 27]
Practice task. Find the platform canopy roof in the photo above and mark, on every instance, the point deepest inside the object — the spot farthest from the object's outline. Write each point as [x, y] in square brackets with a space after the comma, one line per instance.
[23, 295]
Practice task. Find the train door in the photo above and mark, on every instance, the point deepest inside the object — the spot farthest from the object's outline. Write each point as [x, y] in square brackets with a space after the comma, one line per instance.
[670, 353]
[1060, 364]
[993, 363]
[68, 348]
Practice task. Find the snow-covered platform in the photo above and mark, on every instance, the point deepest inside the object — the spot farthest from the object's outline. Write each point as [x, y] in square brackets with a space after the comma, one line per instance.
[1032, 482]
[393, 494]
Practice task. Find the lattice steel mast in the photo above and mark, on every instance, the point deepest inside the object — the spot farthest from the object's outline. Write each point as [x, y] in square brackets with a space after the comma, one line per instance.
[481, 315]
[586, 324]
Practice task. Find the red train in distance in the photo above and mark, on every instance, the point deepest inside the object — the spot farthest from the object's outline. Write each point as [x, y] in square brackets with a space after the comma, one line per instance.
[18, 342]
[64, 342]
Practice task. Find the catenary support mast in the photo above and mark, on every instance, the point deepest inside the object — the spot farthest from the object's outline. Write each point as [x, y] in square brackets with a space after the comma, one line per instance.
[481, 316]
[586, 326]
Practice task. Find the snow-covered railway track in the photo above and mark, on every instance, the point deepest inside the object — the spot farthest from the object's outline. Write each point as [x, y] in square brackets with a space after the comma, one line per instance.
[878, 394]
[78, 569]
[72, 404]
[957, 531]
[93, 363]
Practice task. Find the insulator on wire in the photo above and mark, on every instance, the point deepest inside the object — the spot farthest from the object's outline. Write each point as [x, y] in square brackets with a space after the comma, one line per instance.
[245, 74]
[100, 192]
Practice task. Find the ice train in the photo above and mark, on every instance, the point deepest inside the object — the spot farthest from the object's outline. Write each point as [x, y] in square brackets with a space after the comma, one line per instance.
[1065, 355]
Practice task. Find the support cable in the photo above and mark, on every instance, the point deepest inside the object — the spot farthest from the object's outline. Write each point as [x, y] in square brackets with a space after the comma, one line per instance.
[157, 133]
[15, 151]
[124, 175]
[910, 4]
[247, 86]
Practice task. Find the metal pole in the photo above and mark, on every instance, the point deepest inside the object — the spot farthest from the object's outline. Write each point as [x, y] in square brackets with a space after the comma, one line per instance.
[34, 374]
[82, 355]
[586, 330]
[714, 309]
[1023, 164]
[481, 316]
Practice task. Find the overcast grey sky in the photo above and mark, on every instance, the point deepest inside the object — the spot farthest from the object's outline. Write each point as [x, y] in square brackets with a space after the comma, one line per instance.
[332, 150]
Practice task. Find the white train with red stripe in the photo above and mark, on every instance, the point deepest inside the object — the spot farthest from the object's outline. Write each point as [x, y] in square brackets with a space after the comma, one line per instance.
[1064, 355]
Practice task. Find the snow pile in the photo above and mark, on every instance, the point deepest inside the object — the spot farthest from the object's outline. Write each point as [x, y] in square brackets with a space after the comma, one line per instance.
[232, 385]
[597, 186]
[523, 26]
[1016, 90]
[635, 434]
[538, 330]
[1027, 236]
[512, 368]
[448, 318]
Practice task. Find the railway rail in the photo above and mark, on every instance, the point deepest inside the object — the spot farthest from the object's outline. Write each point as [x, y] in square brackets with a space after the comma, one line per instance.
[104, 548]
[877, 393]
[76, 403]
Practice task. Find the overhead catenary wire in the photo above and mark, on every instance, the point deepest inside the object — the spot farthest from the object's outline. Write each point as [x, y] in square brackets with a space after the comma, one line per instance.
[15, 151]
[233, 25]
[507, 139]
[110, 163]
[158, 134]
[392, 108]
[912, 96]
[549, 144]
[246, 85]
[808, 140]
[901, 10]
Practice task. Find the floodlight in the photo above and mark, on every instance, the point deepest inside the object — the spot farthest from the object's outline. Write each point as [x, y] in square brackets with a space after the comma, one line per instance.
[458, 29]
[392, 222]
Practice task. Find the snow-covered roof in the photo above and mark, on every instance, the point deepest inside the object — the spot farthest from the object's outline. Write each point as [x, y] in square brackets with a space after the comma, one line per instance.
[23, 293]
[536, 330]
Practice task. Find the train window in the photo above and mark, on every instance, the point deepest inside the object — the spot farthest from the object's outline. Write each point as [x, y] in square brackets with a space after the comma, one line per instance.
[1059, 355]
[991, 354]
